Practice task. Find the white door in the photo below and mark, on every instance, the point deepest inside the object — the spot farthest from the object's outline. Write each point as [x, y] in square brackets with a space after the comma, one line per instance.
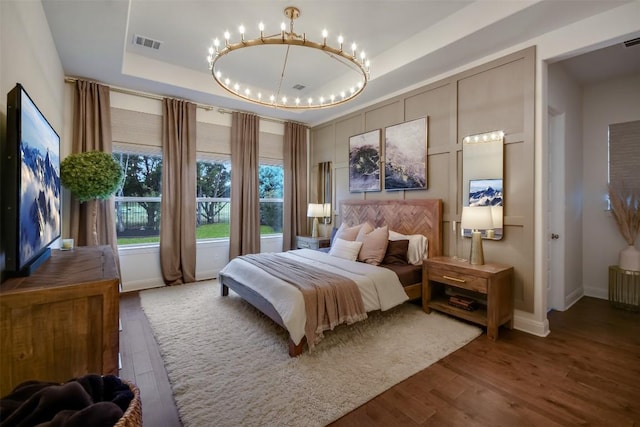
[555, 211]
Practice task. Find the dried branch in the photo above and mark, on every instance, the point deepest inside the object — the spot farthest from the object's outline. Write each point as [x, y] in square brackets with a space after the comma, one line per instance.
[625, 206]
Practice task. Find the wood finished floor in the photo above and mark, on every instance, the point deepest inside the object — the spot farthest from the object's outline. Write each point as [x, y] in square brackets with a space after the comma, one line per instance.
[586, 372]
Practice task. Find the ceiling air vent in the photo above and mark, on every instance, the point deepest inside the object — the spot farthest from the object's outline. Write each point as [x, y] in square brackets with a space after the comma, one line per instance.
[632, 42]
[146, 42]
[299, 86]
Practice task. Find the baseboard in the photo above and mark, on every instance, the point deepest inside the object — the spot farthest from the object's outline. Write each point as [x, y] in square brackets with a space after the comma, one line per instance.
[597, 293]
[573, 298]
[531, 326]
[139, 285]
[207, 275]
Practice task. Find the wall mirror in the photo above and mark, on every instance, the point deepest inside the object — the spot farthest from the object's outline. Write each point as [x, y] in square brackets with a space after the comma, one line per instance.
[324, 190]
[482, 178]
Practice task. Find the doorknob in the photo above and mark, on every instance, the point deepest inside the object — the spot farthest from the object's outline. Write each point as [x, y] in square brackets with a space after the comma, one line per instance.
[555, 236]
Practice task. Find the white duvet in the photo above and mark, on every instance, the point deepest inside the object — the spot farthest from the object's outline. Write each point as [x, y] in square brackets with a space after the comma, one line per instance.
[380, 287]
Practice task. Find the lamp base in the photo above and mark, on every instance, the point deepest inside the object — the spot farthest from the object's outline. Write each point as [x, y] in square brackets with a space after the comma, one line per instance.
[476, 257]
[314, 230]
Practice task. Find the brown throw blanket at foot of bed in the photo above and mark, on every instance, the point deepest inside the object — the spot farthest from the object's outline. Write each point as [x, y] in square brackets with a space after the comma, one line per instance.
[91, 400]
[330, 299]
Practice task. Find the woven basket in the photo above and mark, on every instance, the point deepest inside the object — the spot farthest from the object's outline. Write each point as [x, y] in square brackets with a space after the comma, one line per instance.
[132, 417]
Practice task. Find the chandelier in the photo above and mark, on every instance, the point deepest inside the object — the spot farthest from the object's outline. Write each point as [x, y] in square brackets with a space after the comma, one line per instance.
[278, 96]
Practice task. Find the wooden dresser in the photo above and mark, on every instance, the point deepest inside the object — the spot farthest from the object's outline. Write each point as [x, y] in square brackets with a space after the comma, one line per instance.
[62, 321]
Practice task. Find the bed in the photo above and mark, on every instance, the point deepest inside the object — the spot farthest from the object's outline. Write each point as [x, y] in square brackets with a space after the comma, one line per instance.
[408, 217]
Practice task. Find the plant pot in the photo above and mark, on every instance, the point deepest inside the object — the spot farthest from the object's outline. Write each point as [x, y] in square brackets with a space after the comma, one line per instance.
[629, 259]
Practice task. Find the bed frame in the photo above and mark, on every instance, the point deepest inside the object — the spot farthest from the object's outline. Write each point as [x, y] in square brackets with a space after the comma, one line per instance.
[420, 216]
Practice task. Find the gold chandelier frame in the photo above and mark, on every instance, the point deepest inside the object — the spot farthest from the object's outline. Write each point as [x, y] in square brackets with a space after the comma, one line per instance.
[290, 38]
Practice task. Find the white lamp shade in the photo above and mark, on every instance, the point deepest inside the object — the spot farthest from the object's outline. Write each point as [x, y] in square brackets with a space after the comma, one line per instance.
[315, 210]
[326, 210]
[496, 216]
[477, 218]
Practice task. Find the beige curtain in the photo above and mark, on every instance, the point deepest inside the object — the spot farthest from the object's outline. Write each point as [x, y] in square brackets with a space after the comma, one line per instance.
[178, 210]
[245, 196]
[295, 184]
[92, 132]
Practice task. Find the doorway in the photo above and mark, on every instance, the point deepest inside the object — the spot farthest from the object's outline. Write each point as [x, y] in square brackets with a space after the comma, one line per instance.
[555, 211]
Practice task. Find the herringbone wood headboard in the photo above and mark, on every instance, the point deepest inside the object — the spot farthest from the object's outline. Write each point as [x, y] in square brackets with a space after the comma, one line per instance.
[421, 216]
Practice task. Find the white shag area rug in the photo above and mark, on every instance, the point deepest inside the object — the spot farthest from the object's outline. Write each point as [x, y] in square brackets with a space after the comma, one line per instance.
[228, 364]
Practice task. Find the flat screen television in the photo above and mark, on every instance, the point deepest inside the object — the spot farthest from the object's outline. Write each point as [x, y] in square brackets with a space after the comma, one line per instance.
[30, 199]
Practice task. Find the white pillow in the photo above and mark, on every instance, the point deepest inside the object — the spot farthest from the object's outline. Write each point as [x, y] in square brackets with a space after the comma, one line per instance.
[345, 249]
[418, 246]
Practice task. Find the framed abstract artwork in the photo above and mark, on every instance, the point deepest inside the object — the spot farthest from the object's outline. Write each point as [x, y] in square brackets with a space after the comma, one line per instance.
[364, 162]
[405, 166]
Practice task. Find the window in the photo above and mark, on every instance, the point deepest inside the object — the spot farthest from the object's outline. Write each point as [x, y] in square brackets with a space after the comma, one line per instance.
[138, 199]
[271, 178]
[624, 154]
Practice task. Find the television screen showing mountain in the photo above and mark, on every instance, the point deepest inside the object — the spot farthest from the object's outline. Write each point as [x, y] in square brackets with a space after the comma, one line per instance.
[40, 182]
[485, 192]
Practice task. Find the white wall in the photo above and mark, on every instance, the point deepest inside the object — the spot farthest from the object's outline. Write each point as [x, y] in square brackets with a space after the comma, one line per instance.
[29, 56]
[614, 101]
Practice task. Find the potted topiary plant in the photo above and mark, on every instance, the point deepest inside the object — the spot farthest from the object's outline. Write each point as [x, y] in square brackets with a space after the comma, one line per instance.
[91, 176]
[625, 207]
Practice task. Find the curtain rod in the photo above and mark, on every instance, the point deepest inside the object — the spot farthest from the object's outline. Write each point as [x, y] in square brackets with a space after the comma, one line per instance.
[136, 93]
[159, 98]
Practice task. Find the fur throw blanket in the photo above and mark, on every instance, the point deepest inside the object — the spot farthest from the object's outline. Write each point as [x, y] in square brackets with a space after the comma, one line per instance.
[91, 400]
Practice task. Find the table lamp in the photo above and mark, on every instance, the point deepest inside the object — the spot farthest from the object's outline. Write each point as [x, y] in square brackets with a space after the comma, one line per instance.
[315, 211]
[476, 218]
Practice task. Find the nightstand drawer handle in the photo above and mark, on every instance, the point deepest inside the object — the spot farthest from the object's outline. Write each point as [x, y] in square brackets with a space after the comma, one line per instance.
[455, 279]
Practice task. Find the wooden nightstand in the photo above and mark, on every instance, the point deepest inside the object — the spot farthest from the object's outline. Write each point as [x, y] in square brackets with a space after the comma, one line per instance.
[307, 242]
[489, 284]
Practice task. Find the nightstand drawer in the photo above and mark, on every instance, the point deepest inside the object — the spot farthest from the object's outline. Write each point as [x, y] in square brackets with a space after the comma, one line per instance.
[306, 242]
[457, 279]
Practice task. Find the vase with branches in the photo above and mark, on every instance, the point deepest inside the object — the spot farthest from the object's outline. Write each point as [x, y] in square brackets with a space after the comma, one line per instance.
[625, 207]
[91, 176]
